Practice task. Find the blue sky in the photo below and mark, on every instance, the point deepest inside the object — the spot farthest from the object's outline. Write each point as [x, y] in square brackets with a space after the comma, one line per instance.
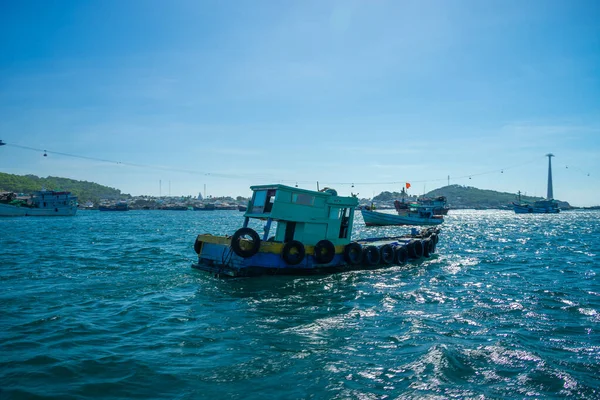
[233, 93]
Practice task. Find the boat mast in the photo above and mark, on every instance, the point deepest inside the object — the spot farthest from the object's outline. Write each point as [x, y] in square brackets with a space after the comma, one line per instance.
[549, 195]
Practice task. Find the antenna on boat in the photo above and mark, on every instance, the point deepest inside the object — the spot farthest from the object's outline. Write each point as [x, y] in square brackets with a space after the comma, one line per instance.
[318, 186]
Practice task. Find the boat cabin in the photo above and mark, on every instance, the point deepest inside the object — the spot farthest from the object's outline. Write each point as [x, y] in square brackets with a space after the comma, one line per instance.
[303, 215]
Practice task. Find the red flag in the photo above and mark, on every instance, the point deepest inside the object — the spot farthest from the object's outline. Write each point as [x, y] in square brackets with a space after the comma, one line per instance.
[407, 185]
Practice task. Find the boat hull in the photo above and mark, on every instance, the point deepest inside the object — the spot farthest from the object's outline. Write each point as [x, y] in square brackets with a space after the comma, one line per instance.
[7, 210]
[374, 218]
[532, 209]
[216, 256]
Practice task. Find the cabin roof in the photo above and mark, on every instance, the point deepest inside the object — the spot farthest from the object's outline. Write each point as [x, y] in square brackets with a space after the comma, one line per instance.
[278, 186]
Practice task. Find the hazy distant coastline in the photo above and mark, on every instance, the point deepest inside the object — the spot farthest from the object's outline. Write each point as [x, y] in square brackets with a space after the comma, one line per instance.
[459, 197]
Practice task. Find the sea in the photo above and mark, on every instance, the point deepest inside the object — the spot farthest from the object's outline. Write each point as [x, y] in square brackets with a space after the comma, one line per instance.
[105, 305]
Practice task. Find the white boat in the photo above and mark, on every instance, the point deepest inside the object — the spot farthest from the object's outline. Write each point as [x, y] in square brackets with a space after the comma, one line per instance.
[40, 204]
[413, 216]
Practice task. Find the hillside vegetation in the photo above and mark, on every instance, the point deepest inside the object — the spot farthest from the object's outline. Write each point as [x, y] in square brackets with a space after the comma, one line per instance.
[82, 189]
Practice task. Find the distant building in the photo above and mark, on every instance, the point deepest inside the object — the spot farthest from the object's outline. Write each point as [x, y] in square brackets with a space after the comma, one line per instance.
[200, 196]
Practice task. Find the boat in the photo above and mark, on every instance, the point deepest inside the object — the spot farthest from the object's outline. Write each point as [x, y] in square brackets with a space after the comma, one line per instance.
[42, 203]
[413, 215]
[205, 207]
[312, 234]
[547, 206]
[174, 207]
[120, 206]
[439, 204]
[242, 208]
[537, 207]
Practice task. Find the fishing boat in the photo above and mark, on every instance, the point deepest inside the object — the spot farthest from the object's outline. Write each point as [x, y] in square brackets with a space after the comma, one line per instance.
[42, 203]
[312, 234]
[439, 204]
[414, 214]
[537, 207]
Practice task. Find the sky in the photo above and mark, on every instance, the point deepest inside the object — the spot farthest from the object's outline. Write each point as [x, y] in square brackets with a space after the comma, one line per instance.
[185, 97]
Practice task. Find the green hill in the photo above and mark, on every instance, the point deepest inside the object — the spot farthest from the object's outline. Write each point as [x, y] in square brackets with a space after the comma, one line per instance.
[469, 197]
[82, 189]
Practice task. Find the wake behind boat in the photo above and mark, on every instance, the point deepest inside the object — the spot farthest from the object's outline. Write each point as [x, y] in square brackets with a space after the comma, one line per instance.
[43, 203]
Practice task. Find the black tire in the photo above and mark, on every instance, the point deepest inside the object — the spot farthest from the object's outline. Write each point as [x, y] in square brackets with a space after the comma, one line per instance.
[435, 238]
[324, 252]
[353, 253]
[400, 255]
[371, 256]
[426, 247]
[432, 247]
[241, 234]
[386, 253]
[293, 252]
[415, 249]
[418, 247]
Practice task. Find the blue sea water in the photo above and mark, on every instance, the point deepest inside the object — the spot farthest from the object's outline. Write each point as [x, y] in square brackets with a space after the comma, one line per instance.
[106, 306]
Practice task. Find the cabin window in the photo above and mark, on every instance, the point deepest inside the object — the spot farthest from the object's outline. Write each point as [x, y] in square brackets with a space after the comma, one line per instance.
[303, 198]
[258, 204]
[263, 201]
[270, 200]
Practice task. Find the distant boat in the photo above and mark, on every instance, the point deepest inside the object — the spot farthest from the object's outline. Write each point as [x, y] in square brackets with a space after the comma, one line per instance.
[120, 206]
[205, 207]
[413, 216]
[242, 208]
[438, 203]
[538, 207]
[43, 203]
[174, 207]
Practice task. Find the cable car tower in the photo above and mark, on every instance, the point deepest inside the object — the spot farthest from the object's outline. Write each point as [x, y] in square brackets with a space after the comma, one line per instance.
[549, 195]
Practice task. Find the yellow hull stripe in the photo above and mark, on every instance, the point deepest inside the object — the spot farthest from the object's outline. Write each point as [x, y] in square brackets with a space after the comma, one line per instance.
[265, 247]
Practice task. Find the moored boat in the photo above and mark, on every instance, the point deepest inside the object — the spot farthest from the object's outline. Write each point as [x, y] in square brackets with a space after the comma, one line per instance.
[313, 234]
[43, 203]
